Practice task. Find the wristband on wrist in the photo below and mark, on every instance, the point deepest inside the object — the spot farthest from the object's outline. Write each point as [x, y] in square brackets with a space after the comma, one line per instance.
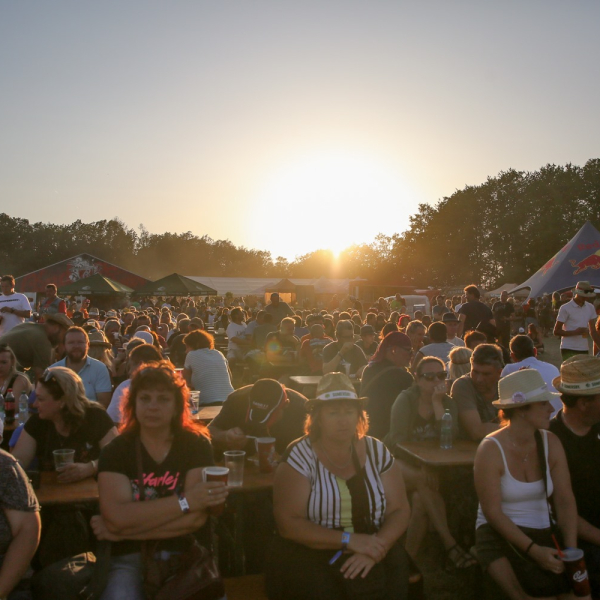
[183, 503]
[529, 547]
[345, 541]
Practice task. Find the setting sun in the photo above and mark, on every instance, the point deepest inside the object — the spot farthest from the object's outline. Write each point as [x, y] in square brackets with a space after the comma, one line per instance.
[338, 195]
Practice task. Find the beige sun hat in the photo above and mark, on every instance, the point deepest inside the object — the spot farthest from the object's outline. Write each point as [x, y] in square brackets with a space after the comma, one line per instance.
[579, 375]
[584, 289]
[335, 386]
[522, 387]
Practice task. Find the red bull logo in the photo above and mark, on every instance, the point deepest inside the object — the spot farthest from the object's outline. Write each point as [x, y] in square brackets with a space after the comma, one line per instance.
[549, 264]
[589, 262]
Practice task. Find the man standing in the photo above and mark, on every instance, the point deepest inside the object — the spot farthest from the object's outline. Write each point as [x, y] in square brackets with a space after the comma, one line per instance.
[398, 304]
[475, 392]
[278, 309]
[311, 350]
[52, 304]
[236, 334]
[576, 319]
[440, 309]
[93, 373]
[32, 343]
[577, 426]
[473, 311]
[451, 322]
[503, 310]
[524, 356]
[14, 308]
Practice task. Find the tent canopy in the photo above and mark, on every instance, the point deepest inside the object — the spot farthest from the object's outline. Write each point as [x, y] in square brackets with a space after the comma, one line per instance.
[175, 285]
[96, 284]
[285, 286]
[579, 260]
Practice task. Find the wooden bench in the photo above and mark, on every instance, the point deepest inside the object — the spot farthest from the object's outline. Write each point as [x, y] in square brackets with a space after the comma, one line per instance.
[248, 587]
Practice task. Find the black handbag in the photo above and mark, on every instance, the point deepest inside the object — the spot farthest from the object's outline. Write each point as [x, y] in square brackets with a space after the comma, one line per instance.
[191, 575]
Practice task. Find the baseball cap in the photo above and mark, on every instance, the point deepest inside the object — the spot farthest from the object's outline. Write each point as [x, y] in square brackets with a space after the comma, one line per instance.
[265, 397]
[449, 317]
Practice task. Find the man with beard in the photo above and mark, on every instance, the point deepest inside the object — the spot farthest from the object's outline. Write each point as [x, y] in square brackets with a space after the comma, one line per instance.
[475, 392]
[93, 373]
[33, 343]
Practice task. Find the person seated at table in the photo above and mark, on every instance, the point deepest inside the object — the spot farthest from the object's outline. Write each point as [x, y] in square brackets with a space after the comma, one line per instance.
[416, 417]
[474, 338]
[367, 343]
[475, 392]
[387, 328]
[384, 378]
[281, 347]
[19, 528]
[137, 354]
[340, 507]
[311, 350]
[516, 470]
[577, 426]
[65, 419]
[459, 364]
[160, 434]
[10, 378]
[206, 369]
[416, 331]
[266, 408]
[438, 346]
[344, 355]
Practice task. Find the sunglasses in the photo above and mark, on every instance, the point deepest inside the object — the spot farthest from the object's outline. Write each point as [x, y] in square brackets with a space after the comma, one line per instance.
[48, 375]
[433, 376]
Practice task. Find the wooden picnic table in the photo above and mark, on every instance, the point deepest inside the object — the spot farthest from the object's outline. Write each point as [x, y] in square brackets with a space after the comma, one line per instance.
[429, 453]
[51, 492]
[208, 413]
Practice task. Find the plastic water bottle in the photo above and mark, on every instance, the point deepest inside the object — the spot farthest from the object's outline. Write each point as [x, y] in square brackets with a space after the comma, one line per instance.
[2, 413]
[446, 431]
[23, 408]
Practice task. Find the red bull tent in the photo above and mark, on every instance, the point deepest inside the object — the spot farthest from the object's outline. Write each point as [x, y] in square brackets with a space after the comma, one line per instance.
[579, 260]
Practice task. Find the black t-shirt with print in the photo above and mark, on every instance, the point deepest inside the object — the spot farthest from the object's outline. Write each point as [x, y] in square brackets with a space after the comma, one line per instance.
[85, 440]
[475, 312]
[188, 451]
[424, 429]
[289, 428]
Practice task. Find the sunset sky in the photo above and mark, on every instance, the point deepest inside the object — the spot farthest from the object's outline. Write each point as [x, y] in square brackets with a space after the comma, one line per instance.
[285, 126]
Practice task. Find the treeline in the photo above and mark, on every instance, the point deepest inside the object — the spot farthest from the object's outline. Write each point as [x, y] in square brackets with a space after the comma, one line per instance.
[497, 232]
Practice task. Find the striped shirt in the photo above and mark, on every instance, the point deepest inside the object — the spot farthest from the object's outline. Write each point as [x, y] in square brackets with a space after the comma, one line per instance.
[209, 375]
[325, 500]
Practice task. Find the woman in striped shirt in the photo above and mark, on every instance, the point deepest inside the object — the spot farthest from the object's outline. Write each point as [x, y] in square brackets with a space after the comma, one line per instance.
[340, 507]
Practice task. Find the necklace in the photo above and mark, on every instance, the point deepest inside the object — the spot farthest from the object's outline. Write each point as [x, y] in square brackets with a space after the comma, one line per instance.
[526, 457]
[344, 466]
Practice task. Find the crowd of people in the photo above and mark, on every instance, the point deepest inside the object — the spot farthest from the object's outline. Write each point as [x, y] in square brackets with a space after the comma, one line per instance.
[350, 512]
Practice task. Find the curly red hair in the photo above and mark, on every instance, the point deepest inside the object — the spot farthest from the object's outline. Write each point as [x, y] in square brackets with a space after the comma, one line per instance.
[161, 375]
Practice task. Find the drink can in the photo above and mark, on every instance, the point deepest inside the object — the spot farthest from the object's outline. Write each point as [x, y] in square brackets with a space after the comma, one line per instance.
[576, 571]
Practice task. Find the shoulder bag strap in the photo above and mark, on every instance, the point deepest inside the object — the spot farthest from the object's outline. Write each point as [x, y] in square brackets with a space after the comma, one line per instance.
[544, 466]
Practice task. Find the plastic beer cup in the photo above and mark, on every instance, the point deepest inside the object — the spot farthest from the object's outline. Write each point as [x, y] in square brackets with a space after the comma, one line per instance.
[576, 571]
[234, 461]
[216, 474]
[62, 458]
[265, 447]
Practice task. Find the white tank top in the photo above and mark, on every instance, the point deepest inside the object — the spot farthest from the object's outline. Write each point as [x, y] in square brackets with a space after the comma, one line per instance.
[524, 503]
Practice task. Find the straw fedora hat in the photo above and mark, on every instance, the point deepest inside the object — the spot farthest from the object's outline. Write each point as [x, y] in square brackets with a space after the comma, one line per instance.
[97, 338]
[584, 289]
[522, 387]
[59, 319]
[335, 386]
[579, 375]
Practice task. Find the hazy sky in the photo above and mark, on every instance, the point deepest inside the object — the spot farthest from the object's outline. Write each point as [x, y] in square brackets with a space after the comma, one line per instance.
[285, 126]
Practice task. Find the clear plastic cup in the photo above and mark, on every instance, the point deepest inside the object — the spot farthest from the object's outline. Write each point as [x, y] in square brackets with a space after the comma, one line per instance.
[62, 458]
[195, 402]
[234, 461]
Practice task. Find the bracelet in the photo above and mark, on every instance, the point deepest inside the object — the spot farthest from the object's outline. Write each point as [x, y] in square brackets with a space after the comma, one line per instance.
[529, 548]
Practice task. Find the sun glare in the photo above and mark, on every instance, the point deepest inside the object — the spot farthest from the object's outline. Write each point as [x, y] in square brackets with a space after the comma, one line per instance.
[336, 199]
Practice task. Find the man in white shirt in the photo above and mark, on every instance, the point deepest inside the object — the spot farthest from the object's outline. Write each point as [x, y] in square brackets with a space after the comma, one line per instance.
[523, 353]
[14, 308]
[236, 335]
[576, 319]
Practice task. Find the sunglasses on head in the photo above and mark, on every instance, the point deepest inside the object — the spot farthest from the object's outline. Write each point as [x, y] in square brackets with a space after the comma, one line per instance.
[433, 376]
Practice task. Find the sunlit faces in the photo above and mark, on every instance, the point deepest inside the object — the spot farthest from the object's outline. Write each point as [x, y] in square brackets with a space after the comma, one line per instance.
[538, 414]
[431, 374]
[155, 408]
[76, 346]
[485, 377]
[48, 408]
[338, 420]
[6, 287]
[6, 363]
